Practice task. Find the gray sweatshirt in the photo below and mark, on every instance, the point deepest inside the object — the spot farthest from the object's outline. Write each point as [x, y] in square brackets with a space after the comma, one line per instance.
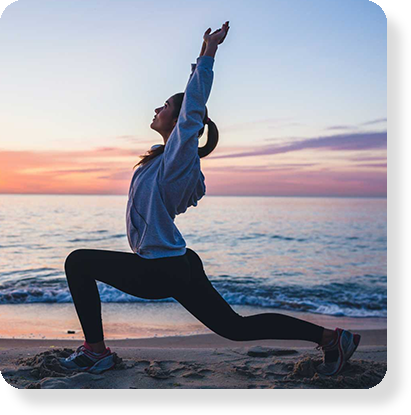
[171, 182]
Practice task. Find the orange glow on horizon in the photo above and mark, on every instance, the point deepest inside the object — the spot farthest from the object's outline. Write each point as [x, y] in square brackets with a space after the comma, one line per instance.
[109, 171]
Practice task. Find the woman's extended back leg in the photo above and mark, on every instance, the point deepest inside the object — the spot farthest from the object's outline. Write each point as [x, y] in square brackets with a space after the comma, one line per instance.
[202, 300]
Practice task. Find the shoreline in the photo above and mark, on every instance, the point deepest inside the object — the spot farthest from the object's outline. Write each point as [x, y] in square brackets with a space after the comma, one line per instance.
[141, 321]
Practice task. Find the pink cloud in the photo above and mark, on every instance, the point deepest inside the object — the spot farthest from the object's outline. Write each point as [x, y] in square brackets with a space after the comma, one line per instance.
[340, 142]
[108, 170]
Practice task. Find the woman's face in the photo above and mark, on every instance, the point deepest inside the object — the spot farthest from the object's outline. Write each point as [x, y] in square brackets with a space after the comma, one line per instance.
[163, 121]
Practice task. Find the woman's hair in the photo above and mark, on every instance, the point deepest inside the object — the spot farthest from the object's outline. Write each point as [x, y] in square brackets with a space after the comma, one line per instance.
[212, 136]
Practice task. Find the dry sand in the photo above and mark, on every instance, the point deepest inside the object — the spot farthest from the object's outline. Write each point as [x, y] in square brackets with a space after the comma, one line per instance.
[192, 362]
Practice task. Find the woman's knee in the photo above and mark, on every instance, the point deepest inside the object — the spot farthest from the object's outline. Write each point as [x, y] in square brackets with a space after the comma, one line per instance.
[73, 260]
[233, 329]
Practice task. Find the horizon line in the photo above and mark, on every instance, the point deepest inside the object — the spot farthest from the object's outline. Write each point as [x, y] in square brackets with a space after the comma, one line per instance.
[123, 195]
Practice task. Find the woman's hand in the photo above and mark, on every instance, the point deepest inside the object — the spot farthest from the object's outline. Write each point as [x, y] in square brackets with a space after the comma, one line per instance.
[217, 36]
[221, 32]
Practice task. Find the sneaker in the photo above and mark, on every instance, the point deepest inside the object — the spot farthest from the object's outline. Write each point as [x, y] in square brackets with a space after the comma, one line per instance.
[337, 353]
[83, 359]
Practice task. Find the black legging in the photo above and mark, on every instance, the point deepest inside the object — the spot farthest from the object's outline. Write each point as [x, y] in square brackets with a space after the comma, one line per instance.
[182, 278]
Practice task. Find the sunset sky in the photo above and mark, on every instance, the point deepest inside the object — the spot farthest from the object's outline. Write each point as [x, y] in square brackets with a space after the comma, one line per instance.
[299, 93]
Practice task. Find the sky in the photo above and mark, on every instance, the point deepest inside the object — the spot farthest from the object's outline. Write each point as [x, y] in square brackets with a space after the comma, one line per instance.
[299, 93]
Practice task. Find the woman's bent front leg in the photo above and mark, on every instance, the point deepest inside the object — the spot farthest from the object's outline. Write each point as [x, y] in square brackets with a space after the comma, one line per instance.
[125, 271]
[86, 298]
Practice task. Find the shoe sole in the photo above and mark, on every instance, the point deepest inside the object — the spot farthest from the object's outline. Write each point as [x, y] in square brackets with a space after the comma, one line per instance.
[98, 371]
[99, 367]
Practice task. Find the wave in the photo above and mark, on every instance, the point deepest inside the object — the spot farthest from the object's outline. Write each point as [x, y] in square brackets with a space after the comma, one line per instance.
[288, 238]
[120, 235]
[279, 237]
[350, 299]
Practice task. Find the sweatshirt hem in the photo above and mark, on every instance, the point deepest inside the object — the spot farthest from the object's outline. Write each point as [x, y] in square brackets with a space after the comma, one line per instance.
[158, 255]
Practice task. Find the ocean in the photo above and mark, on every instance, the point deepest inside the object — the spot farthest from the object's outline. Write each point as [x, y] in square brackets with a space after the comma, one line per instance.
[324, 256]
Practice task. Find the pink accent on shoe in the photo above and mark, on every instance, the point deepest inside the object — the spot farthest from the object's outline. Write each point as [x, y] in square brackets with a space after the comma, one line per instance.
[88, 348]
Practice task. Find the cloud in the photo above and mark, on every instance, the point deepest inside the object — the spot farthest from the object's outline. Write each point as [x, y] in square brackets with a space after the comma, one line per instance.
[373, 165]
[368, 158]
[377, 121]
[341, 127]
[68, 171]
[255, 169]
[75, 171]
[340, 142]
[353, 127]
[108, 170]
[335, 182]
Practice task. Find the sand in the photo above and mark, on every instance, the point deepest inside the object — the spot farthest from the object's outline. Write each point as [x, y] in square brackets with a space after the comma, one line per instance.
[205, 361]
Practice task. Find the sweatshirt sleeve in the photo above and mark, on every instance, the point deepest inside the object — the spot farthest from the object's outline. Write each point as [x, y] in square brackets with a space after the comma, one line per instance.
[180, 156]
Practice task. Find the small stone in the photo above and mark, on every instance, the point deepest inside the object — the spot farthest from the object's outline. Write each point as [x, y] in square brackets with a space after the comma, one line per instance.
[259, 351]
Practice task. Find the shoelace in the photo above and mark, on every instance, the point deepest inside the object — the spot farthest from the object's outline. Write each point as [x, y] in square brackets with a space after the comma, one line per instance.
[76, 353]
[326, 348]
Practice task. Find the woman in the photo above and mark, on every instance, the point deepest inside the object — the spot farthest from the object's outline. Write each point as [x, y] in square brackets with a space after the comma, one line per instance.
[167, 182]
